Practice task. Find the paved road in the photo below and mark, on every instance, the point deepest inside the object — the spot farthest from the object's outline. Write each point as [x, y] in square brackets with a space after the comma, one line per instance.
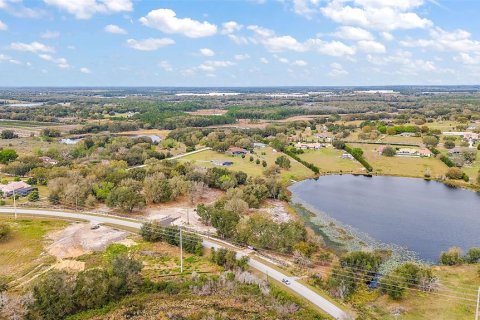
[299, 288]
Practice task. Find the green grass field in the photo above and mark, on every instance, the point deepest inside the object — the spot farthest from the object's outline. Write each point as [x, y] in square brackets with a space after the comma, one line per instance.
[23, 251]
[296, 172]
[419, 306]
[329, 160]
[400, 139]
[25, 124]
[443, 125]
[401, 166]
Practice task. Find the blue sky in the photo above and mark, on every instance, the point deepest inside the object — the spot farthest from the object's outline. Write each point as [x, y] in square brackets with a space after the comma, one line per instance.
[238, 43]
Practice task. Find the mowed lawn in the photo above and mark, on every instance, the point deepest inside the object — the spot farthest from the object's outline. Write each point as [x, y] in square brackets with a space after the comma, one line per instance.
[400, 139]
[329, 160]
[401, 166]
[296, 172]
[460, 282]
[24, 250]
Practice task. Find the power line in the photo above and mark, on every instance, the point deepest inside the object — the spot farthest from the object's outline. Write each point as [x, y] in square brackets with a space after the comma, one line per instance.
[410, 284]
[408, 288]
[408, 279]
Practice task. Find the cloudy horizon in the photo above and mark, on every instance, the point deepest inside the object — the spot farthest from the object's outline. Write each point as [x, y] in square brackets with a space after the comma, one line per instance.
[239, 43]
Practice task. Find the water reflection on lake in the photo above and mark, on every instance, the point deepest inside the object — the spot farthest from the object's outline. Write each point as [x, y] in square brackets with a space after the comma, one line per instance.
[424, 216]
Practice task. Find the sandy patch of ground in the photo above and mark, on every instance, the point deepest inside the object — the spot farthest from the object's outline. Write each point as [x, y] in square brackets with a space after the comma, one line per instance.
[209, 112]
[70, 265]
[276, 209]
[182, 212]
[78, 239]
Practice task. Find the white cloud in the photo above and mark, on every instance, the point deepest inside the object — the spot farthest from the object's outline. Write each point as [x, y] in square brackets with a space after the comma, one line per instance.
[166, 21]
[212, 65]
[50, 35]
[283, 43]
[165, 65]
[85, 9]
[370, 46]
[306, 8]
[264, 60]
[60, 62]
[397, 4]
[238, 39]
[3, 26]
[34, 47]
[85, 70]
[17, 9]
[112, 28]
[457, 40]
[261, 32]
[241, 56]
[404, 64]
[8, 59]
[468, 59]
[230, 27]
[149, 44]
[281, 59]
[275, 43]
[376, 14]
[387, 36]
[207, 52]
[353, 33]
[300, 63]
[332, 48]
[337, 70]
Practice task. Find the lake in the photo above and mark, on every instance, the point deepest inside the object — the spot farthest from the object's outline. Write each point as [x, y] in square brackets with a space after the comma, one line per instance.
[423, 216]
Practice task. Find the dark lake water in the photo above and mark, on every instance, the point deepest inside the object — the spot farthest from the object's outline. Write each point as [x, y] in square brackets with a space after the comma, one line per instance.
[424, 216]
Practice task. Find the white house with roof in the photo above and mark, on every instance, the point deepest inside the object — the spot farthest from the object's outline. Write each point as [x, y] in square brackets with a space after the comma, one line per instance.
[309, 146]
[408, 152]
[18, 187]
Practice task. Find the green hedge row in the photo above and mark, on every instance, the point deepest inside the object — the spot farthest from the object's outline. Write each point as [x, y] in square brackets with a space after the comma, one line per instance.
[309, 165]
[443, 158]
[359, 158]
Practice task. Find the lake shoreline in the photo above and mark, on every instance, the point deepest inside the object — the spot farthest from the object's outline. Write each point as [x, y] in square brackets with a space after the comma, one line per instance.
[327, 224]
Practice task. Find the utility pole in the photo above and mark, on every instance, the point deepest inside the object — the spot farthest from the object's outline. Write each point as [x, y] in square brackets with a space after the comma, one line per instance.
[181, 252]
[14, 204]
[478, 304]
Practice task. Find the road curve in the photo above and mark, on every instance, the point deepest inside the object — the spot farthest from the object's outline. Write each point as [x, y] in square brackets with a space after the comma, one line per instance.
[297, 287]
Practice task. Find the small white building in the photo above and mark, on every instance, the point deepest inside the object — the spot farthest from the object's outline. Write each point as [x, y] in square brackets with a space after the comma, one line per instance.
[259, 145]
[408, 152]
[309, 146]
[19, 187]
[347, 156]
[222, 163]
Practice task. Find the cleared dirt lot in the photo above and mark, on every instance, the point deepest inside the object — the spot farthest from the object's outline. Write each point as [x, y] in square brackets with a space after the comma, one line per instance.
[182, 211]
[79, 239]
